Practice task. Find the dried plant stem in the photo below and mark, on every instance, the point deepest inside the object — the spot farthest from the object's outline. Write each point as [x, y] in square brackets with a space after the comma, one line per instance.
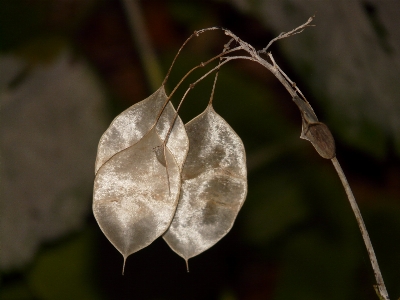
[293, 90]
[196, 33]
[192, 85]
[288, 34]
[213, 88]
[203, 64]
[222, 61]
[292, 83]
[380, 287]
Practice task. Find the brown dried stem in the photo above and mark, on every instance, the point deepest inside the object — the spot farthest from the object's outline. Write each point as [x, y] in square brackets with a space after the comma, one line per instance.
[202, 64]
[380, 287]
[292, 89]
[288, 34]
[306, 108]
[196, 33]
[192, 85]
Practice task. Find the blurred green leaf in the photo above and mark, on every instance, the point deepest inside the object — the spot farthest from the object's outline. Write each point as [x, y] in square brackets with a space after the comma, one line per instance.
[274, 204]
[15, 291]
[227, 294]
[67, 271]
[362, 134]
[316, 268]
[384, 229]
[42, 49]
[190, 13]
[20, 21]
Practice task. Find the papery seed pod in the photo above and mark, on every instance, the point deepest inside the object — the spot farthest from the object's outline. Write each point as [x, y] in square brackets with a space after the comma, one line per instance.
[133, 123]
[214, 186]
[137, 180]
[134, 198]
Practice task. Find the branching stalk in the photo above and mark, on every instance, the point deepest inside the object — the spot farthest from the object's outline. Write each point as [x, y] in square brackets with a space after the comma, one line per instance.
[288, 34]
[313, 130]
[194, 34]
[192, 85]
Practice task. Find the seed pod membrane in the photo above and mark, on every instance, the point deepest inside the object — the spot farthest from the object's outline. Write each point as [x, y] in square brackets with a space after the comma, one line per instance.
[134, 200]
[214, 186]
[134, 122]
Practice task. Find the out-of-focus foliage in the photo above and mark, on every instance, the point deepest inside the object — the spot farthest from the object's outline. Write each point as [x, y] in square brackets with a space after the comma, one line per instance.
[65, 271]
[49, 122]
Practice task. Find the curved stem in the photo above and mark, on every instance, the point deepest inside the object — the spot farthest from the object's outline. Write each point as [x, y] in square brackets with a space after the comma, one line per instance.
[202, 65]
[293, 89]
[380, 288]
[190, 71]
[213, 88]
[196, 33]
[191, 86]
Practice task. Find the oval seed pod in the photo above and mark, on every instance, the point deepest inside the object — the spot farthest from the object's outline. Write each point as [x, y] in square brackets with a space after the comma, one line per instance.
[321, 138]
[135, 195]
[133, 123]
[214, 186]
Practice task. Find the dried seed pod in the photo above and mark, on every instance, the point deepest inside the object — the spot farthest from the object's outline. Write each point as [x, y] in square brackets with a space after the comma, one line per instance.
[214, 186]
[314, 131]
[134, 199]
[137, 180]
[133, 123]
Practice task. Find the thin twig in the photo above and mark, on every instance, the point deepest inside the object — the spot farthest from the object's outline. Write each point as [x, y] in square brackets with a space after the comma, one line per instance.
[292, 83]
[213, 88]
[225, 51]
[192, 85]
[288, 34]
[202, 64]
[293, 90]
[194, 34]
[381, 288]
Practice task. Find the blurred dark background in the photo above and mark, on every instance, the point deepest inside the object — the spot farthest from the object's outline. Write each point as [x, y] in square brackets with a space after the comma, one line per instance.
[68, 67]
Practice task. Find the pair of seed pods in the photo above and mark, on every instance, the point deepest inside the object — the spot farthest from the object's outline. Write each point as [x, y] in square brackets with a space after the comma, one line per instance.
[189, 193]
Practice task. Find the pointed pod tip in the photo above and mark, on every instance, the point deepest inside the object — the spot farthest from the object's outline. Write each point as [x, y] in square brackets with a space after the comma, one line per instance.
[187, 265]
[123, 266]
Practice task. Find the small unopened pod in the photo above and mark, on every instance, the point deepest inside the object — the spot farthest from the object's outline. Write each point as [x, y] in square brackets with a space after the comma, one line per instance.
[314, 131]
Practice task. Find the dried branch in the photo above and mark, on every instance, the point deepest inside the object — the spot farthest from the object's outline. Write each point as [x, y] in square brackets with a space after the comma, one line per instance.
[380, 287]
[288, 34]
[313, 130]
